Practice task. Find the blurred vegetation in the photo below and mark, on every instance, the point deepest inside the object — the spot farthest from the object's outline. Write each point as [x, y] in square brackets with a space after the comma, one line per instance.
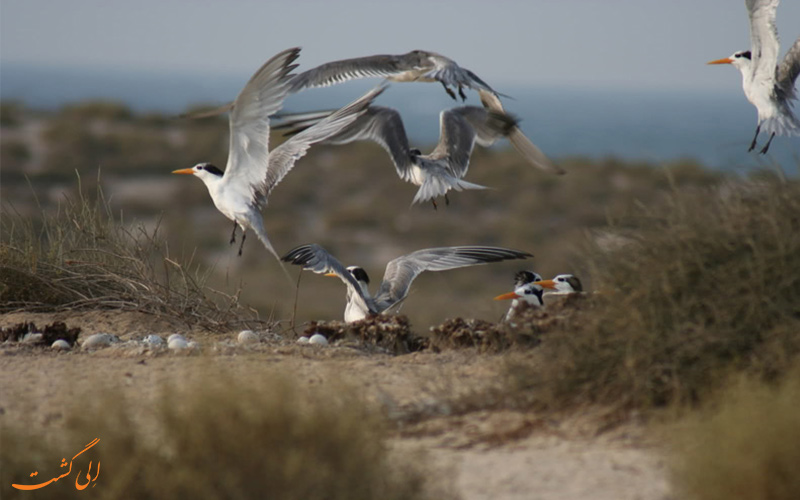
[219, 436]
[694, 290]
[745, 445]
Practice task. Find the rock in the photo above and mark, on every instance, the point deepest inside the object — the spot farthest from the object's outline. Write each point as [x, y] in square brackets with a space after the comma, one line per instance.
[302, 340]
[99, 340]
[177, 343]
[61, 345]
[32, 338]
[153, 340]
[247, 337]
[318, 339]
[175, 336]
[193, 345]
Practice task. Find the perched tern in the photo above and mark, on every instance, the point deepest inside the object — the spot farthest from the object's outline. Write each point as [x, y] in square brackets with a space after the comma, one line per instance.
[443, 168]
[530, 288]
[253, 171]
[767, 85]
[414, 66]
[398, 275]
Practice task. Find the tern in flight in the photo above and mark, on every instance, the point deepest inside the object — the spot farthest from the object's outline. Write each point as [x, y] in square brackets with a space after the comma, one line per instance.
[443, 168]
[414, 66]
[398, 275]
[530, 288]
[253, 171]
[767, 85]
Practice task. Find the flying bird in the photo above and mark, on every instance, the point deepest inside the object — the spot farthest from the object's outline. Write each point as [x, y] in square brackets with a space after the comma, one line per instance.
[414, 66]
[398, 275]
[767, 85]
[443, 168]
[253, 171]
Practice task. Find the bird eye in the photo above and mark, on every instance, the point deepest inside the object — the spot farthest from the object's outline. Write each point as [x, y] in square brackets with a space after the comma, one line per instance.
[561, 279]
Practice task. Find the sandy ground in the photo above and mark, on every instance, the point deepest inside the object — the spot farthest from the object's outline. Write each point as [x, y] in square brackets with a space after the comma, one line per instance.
[485, 454]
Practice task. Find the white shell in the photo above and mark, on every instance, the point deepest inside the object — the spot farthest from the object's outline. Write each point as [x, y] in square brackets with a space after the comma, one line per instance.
[302, 340]
[99, 340]
[178, 343]
[318, 339]
[153, 340]
[60, 344]
[32, 338]
[175, 336]
[247, 337]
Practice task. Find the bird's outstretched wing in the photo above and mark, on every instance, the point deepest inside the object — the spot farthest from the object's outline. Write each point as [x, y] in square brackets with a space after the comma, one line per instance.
[315, 258]
[331, 73]
[379, 124]
[763, 41]
[249, 125]
[283, 158]
[788, 71]
[401, 272]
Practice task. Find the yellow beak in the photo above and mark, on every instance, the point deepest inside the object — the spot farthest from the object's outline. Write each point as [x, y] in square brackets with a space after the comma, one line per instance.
[189, 171]
[726, 60]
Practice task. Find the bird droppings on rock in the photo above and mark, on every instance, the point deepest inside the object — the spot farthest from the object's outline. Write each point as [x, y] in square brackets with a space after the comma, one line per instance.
[60, 345]
[390, 332]
[99, 340]
[318, 339]
[52, 332]
[247, 337]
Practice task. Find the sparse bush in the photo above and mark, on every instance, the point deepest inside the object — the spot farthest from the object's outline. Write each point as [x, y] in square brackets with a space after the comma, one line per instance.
[82, 256]
[705, 286]
[747, 446]
[221, 437]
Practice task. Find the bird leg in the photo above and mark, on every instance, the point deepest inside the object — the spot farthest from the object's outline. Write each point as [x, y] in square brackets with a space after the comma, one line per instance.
[753, 144]
[765, 148]
[446, 200]
[449, 92]
[244, 234]
[233, 234]
[435, 207]
[462, 94]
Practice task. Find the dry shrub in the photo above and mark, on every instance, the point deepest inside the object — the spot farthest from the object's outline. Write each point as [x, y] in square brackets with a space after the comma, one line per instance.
[747, 446]
[704, 286]
[83, 257]
[220, 437]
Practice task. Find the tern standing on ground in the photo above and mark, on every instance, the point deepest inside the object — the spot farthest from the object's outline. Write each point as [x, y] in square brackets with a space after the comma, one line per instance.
[241, 191]
[767, 85]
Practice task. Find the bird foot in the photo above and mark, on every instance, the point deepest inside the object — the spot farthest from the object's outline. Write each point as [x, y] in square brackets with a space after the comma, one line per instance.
[462, 94]
[435, 207]
[449, 92]
[446, 200]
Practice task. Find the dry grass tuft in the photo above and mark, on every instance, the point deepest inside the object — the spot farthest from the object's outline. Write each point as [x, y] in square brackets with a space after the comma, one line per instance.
[221, 437]
[387, 331]
[747, 446]
[706, 285]
[83, 257]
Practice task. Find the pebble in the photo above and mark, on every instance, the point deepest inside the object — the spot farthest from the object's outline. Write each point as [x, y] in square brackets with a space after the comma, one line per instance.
[247, 337]
[153, 340]
[175, 336]
[177, 343]
[99, 340]
[318, 339]
[61, 345]
[32, 338]
[193, 345]
[302, 340]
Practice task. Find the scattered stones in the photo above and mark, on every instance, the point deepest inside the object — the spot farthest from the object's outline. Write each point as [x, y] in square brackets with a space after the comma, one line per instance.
[61, 345]
[318, 339]
[27, 332]
[99, 340]
[247, 337]
[390, 332]
[302, 340]
[153, 340]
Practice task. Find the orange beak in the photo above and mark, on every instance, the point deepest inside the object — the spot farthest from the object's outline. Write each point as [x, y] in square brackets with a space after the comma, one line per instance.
[507, 296]
[332, 275]
[726, 60]
[189, 171]
[546, 284]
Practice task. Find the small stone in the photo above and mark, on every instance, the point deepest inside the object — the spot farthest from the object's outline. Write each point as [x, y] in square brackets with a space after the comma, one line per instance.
[318, 339]
[175, 336]
[32, 338]
[99, 340]
[193, 345]
[61, 345]
[302, 340]
[153, 340]
[177, 344]
[247, 337]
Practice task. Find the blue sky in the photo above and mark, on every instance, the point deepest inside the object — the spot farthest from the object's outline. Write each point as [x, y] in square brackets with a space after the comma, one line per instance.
[581, 43]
